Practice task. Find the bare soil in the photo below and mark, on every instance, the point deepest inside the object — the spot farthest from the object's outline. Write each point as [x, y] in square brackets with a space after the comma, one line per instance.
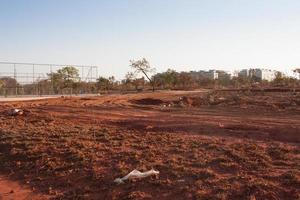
[14, 190]
[206, 145]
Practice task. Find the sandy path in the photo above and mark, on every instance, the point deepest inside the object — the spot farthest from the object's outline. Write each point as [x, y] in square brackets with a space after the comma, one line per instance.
[30, 98]
[9, 99]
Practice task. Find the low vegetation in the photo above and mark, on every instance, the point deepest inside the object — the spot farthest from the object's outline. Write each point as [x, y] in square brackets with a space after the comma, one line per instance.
[142, 77]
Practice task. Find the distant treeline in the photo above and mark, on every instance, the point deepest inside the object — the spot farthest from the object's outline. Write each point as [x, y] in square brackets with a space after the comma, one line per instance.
[142, 78]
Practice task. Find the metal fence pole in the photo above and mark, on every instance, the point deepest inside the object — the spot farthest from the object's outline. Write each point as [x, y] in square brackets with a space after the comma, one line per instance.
[15, 77]
[33, 79]
[52, 83]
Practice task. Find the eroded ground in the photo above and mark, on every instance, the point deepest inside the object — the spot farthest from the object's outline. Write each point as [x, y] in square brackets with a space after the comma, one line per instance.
[222, 145]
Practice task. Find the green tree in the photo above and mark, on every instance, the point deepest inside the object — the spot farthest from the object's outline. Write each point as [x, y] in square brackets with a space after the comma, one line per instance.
[8, 82]
[143, 66]
[10, 85]
[282, 80]
[132, 80]
[105, 83]
[2, 84]
[185, 80]
[170, 78]
[64, 78]
[167, 79]
[241, 81]
[70, 75]
[279, 79]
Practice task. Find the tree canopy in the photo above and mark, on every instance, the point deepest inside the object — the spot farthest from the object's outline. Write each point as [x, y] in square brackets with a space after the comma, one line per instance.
[64, 78]
[105, 83]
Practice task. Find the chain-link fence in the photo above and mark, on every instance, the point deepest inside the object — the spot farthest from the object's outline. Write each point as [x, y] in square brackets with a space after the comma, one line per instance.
[17, 79]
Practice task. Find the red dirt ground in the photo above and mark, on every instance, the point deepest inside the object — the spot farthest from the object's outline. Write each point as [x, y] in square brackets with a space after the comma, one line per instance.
[206, 145]
[14, 190]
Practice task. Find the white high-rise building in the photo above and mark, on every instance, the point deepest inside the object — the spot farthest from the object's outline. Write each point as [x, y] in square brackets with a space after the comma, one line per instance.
[265, 74]
[261, 74]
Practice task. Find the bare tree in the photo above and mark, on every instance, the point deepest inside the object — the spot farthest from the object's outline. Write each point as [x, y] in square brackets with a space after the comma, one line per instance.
[129, 79]
[143, 66]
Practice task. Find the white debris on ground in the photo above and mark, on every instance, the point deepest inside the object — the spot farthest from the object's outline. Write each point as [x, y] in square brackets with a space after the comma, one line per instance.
[15, 112]
[135, 174]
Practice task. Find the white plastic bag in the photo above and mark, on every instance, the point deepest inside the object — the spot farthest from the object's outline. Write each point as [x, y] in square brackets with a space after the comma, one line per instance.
[135, 174]
[15, 112]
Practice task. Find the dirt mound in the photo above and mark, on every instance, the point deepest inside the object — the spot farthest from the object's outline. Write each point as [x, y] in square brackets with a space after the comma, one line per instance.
[148, 101]
[259, 100]
[207, 100]
[190, 101]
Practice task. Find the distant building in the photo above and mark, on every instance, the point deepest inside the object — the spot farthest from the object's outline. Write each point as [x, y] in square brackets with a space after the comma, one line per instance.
[233, 74]
[211, 74]
[265, 74]
[224, 75]
[260, 74]
[245, 73]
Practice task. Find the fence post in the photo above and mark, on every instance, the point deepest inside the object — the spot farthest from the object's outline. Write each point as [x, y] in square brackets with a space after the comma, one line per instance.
[52, 83]
[15, 77]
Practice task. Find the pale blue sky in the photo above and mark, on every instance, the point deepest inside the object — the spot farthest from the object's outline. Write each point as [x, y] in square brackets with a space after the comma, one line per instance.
[179, 34]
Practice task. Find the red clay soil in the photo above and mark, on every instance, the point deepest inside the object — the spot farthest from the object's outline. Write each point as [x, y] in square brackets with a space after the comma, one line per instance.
[14, 190]
[216, 145]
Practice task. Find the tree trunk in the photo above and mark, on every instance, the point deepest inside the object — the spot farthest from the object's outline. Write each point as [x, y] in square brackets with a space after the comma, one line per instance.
[153, 87]
[151, 82]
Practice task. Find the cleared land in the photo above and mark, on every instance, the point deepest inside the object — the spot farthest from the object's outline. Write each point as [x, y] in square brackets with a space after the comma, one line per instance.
[206, 145]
